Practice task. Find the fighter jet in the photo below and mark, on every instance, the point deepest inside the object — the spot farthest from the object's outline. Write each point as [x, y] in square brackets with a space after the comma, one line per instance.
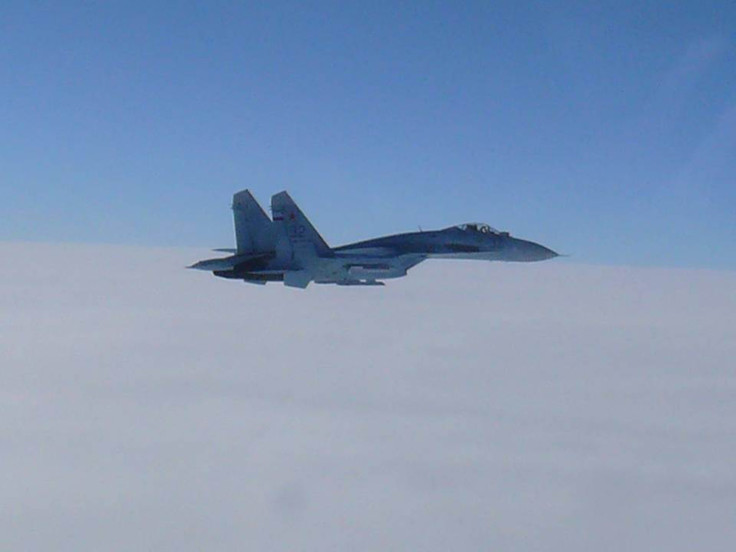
[288, 249]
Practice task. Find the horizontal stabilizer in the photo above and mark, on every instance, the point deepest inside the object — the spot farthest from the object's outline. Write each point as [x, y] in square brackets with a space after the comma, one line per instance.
[229, 263]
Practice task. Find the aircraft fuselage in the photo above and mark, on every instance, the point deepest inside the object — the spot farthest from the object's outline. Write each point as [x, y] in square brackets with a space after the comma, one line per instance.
[289, 249]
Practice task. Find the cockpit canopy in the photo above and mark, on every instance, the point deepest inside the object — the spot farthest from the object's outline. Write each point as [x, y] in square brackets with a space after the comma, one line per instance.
[478, 227]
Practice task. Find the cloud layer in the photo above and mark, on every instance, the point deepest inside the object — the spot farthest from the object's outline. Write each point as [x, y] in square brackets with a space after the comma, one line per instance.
[466, 407]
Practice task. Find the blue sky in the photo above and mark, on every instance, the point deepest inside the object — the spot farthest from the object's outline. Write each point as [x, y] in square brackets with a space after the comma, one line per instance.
[606, 130]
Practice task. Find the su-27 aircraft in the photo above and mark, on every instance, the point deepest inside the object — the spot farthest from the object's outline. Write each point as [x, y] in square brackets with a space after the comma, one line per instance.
[289, 249]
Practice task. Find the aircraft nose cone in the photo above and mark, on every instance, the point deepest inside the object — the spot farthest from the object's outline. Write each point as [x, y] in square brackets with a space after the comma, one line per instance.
[527, 251]
[545, 253]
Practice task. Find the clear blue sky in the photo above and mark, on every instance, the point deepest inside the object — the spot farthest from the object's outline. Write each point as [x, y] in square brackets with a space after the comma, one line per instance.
[602, 129]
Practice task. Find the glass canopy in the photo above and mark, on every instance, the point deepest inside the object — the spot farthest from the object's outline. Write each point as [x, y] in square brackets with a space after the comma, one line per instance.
[477, 227]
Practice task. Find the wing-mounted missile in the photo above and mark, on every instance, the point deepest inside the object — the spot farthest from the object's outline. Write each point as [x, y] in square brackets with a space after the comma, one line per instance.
[372, 271]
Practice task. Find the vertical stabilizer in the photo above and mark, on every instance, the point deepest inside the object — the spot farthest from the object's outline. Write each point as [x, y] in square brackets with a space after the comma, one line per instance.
[299, 231]
[253, 228]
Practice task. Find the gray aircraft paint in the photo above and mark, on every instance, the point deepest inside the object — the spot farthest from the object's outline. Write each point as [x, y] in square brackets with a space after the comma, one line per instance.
[289, 249]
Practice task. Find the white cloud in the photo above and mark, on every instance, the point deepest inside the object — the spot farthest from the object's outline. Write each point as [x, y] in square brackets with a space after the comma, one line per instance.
[468, 406]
